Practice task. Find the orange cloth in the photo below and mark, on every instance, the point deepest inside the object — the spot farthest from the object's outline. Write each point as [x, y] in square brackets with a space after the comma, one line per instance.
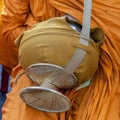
[1, 5]
[99, 101]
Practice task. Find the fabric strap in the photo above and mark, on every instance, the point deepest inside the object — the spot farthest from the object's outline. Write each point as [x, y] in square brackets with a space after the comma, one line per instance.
[85, 34]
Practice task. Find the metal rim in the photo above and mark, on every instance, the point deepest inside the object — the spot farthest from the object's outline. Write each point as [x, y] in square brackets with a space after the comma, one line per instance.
[50, 65]
[44, 89]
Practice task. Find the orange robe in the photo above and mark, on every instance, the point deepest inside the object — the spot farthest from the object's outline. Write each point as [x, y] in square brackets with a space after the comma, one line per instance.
[1, 54]
[1, 5]
[99, 101]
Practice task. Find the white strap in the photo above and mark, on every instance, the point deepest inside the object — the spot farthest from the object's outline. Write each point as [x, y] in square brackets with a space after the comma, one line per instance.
[85, 84]
[87, 18]
[85, 32]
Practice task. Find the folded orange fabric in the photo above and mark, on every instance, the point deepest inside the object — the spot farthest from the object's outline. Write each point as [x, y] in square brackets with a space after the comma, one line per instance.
[99, 101]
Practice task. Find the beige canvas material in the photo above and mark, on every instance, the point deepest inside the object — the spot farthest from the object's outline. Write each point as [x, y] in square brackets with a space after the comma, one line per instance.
[54, 41]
